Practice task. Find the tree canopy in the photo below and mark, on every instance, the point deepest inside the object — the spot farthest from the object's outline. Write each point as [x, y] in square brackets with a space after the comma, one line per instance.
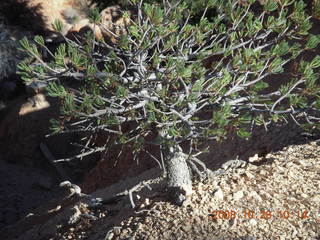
[184, 72]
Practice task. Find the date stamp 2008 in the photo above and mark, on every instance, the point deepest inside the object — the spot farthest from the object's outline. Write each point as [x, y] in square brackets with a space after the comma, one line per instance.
[263, 214]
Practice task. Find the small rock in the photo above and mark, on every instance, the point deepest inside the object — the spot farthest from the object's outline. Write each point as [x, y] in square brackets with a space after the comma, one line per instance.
[250, 238]
[314, 143]
[254, 159]
[167, 235]
[175, 222]
[256, 196]
[263, 172]
[281, 237]
[232, 222]
[139, 226]
[249, 175]
[305, 163]
[125, 232]
[117, 230]
[238, 195]
[253, 222]
[294, 233]
[253, 167]
[292, 174]
[316, 198]
[186, 228]
[75, 217]
[218, 194]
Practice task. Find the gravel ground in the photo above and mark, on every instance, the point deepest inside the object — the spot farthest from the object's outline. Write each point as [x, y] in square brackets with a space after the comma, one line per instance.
[272, 197]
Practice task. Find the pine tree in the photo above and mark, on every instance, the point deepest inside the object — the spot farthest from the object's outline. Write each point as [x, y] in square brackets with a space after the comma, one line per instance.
[183, 74]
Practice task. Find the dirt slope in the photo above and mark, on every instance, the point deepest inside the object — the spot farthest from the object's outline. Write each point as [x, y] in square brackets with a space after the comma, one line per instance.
[274, 197]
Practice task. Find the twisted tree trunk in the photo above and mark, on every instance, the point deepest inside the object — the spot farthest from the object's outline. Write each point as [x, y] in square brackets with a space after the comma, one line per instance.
[179, 183]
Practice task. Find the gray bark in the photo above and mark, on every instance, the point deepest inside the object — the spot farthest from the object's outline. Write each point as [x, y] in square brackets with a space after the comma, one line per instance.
[179, 183]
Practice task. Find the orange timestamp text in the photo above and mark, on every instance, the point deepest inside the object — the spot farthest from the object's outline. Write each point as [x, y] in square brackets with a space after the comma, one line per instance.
[262, 214]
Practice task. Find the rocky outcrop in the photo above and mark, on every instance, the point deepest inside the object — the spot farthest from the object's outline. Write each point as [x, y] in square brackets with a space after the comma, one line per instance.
[10, 56]
[35, 17]
[38, 15]
[8, 52]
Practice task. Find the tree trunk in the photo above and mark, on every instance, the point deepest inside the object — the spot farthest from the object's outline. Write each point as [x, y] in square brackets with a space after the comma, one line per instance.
[179, 181]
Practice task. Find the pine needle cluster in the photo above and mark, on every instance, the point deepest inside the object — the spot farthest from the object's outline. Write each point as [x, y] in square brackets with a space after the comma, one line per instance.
[184, 72]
